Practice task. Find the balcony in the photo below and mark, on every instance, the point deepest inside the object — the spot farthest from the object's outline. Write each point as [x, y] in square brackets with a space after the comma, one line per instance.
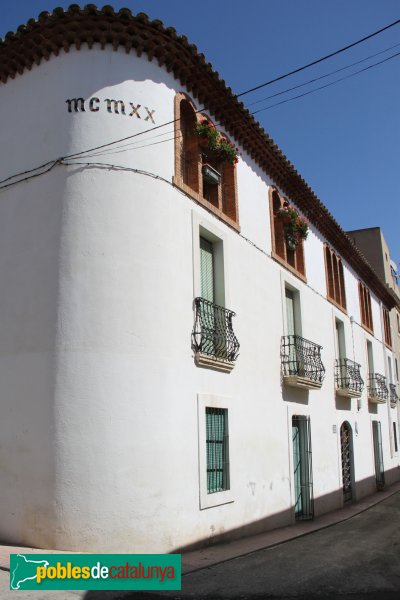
[301, 363]
[213, 340]
[348, 380]
[377, 388]
[393, 395]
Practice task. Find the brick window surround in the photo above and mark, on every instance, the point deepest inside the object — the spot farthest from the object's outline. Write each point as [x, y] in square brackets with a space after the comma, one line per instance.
[291, 259]
[219, 199]
[365, 307]
[386, 327]
[335, 287]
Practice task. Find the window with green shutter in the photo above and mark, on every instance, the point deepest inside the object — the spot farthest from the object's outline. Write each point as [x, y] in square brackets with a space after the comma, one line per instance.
[217, 450]
[207, 270]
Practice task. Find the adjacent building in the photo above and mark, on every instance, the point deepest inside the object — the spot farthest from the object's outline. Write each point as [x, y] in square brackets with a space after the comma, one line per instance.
[191, 347]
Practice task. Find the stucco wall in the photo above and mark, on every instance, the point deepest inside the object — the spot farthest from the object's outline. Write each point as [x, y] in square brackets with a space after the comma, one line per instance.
[99, 445]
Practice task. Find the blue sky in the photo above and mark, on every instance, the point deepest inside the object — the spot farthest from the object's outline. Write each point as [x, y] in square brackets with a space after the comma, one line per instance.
[344, 140]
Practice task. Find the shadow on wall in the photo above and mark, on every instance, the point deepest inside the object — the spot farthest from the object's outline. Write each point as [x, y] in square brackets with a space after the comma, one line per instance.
[118, 595]
[322, 505]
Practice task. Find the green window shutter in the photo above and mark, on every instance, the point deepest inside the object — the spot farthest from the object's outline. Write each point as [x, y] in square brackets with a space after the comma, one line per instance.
[290, 312]
[217, 450]
[207, 269]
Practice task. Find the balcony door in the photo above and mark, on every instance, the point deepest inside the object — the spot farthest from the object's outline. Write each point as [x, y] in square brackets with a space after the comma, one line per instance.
[341, 351]
[296, 358]
[207, 270]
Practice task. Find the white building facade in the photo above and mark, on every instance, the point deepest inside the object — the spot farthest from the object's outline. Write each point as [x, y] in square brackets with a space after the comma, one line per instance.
[131, 420]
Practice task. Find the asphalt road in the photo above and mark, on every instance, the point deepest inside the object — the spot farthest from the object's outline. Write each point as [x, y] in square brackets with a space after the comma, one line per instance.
[358, 559]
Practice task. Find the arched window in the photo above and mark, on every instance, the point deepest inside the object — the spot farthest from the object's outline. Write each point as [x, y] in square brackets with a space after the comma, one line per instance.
[334, 277]
[365, 306]
[200, 171]
[291, 255]
[186, 145]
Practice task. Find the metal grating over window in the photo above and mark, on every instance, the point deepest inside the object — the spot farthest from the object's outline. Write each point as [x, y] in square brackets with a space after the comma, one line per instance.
[217, 447]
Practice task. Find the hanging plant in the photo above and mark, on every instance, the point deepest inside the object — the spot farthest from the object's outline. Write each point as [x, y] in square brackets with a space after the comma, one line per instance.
[295, 226]
[212, 140]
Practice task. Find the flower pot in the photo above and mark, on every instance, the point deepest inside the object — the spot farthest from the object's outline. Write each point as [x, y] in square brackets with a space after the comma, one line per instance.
[211, 175]
[291, 242]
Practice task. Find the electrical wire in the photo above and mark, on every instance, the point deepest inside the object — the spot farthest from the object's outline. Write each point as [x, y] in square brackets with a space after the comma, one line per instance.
[323, 76]
[106, 145]
[319, 60]
[118, 150]
[326, 85]
[298, 70]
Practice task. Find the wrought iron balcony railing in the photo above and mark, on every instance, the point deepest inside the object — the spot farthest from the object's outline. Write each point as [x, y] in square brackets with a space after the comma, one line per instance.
[348, 378]
[301, 362]
[377, 388]
[213, 334]
[393, 394]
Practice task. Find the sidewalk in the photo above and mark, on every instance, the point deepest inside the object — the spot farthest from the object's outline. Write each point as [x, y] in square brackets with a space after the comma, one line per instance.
[200, 559]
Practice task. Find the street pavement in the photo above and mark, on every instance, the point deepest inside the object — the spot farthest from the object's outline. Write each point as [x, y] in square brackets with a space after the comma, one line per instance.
[355, 559]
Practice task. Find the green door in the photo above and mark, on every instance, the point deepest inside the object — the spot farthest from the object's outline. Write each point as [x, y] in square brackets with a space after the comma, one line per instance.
[302, 464]
[378, 455]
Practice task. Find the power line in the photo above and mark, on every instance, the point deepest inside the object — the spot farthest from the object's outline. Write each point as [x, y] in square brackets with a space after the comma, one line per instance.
[327, 84]
[106, 145]
[319, 60]
[119, 149]
[127, 147]
[323, 76]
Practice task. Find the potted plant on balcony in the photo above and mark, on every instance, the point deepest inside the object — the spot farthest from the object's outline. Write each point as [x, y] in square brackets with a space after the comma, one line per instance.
[295, 226]
[214, 144]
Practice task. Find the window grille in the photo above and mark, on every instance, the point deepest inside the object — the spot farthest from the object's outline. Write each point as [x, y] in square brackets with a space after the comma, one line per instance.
[217, 447]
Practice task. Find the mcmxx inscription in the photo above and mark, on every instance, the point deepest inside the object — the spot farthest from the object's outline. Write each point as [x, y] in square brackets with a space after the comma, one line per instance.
[117, 107]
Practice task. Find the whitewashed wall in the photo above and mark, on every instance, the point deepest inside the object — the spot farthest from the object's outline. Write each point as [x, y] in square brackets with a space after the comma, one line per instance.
[99, 427]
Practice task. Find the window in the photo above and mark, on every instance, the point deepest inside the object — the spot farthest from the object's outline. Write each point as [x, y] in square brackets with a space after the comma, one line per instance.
[396, 364]
[217, 449]
[215, 425]
[214, 341]
[386, 327]
[395, 436]
[334, 278]
[365, 306]
[398, 323]
[199, 171]
[293, 258]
